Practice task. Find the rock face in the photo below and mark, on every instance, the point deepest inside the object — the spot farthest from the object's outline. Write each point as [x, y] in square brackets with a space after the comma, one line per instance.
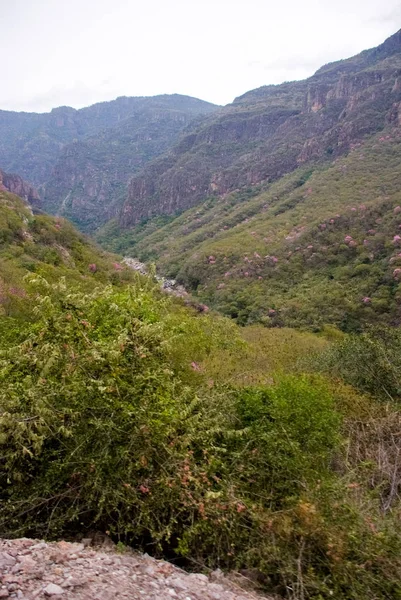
[16, 185]
[270, 131]
[70, 571]
[82, 159]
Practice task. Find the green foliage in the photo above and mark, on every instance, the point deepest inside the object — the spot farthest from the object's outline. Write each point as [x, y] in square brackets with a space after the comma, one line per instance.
[109, 419]
[370, 362]
[49, 247]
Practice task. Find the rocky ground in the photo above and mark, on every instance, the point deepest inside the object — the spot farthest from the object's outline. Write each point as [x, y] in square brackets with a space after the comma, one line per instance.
[32, 569]
[167, 285]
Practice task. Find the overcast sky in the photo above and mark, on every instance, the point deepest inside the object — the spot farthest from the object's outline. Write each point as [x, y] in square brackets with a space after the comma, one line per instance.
[77, 52]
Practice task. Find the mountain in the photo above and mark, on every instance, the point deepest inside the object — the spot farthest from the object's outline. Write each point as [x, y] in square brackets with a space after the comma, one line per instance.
[310, 234]
[82, 159]
[271, 131]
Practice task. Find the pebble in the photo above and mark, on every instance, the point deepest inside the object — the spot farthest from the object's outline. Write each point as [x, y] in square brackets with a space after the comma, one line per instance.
[53, 590]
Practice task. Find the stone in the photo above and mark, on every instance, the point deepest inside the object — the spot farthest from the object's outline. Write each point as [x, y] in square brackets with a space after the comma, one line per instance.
[199, 578]
[27, 564]
[53, 590]
[74, 582]
[6, 560]
[121, 576]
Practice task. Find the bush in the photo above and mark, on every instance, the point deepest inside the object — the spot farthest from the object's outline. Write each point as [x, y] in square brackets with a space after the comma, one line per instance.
[105, 423]
[371, 362]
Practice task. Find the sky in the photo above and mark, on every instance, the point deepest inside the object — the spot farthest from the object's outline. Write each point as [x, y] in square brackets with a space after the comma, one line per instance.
[78, 52]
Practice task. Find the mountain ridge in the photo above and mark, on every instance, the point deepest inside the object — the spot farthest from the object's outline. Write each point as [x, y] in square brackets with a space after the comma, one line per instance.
[270, 131]
[41, 147]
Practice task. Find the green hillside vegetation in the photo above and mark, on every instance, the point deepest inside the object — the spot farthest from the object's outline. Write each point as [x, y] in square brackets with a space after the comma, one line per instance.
[181, 434]
[320, 246]
[48, 247]
[262, 432]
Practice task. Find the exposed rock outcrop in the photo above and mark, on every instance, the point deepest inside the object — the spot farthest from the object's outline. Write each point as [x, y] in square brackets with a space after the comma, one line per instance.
[81, 160]
[16, 185]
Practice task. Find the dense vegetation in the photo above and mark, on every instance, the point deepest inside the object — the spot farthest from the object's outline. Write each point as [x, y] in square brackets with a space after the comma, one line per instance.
[121, 409]
[51, 248]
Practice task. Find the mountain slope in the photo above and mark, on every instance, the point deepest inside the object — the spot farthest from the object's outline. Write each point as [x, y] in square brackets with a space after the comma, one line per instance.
[123, 411]
[270, 131]
[321, 245]
[48, 247]
[83, 158]
[88, 183]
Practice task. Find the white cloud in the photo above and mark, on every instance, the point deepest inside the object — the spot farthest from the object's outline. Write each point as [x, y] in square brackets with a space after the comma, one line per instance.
[76, 53]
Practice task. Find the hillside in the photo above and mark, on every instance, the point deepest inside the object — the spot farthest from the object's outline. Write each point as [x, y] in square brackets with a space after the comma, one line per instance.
[257, 434]
[125, 413]
[320, 245]
[271, 131]
[37, 244]
[82, 159]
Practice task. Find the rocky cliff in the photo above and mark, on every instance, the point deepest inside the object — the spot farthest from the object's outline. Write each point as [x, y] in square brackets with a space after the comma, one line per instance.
[16, 185]
[270, 131]
[82, 159]
[89, 181]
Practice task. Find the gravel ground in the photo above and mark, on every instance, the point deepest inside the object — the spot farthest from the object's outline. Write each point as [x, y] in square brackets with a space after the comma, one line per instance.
[78, 571]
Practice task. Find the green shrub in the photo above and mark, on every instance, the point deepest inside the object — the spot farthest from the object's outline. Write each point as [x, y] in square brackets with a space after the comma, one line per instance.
[106, 423]
[371, 362]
